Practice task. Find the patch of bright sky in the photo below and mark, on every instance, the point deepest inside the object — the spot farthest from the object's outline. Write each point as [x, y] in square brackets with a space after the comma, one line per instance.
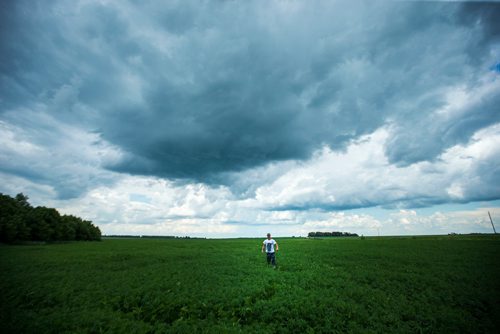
[140, 198]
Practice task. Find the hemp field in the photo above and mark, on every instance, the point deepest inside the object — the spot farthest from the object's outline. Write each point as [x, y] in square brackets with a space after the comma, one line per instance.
[441, 284]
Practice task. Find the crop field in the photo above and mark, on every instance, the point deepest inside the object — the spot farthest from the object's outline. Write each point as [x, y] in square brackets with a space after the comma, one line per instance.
[445, 284]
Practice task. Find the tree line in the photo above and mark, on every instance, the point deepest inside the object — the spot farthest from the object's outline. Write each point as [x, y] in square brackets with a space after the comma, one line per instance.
[331, 234]
[19, 221]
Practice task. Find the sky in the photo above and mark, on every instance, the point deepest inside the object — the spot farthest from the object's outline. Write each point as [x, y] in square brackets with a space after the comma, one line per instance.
[238, 118]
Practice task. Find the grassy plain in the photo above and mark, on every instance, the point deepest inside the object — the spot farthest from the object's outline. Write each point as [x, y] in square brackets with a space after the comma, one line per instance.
[446, 284]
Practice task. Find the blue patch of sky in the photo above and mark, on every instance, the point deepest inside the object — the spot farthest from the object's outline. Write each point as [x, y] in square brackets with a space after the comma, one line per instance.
[139, 198]
[496, 67]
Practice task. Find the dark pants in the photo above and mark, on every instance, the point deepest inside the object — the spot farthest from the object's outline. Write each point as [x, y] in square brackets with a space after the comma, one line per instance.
[271, 259]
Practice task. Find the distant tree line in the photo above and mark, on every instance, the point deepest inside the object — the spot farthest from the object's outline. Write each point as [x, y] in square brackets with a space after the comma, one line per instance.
[19, 221]
[331, 234]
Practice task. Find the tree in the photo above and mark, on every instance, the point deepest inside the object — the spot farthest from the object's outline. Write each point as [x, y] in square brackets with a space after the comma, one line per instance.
[22, 200]
[19, 221]
[42, 222]
[13, 218]
[67, 228]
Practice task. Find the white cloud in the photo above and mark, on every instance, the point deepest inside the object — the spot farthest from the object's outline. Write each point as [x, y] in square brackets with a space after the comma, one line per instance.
[362, 176]
[43, 150]
[409, 222]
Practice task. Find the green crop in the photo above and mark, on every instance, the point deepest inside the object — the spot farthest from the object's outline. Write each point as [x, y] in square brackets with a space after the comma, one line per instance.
[445, 284]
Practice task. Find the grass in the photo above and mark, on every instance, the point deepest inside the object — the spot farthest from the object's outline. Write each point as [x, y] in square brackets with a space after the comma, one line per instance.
[422, 284]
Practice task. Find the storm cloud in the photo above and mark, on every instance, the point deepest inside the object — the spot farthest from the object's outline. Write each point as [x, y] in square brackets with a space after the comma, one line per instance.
[193, 89]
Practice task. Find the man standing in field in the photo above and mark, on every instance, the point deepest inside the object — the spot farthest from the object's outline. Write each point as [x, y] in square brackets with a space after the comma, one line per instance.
[269, 245]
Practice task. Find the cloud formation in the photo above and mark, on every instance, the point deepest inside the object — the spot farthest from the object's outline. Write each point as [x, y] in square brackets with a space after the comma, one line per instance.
[190, 90]
[319, 194]
[155, 207]
[222, 114]
[364, 177]
[42, 152]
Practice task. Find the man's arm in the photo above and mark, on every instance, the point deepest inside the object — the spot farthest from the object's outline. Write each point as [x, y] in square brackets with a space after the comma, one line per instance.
[262, 248]
[277, 247]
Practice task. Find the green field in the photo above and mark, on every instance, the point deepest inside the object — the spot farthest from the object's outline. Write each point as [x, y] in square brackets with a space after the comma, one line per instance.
[446, 284]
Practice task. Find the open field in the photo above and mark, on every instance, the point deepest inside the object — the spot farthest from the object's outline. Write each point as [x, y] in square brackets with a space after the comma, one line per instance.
[445, 284]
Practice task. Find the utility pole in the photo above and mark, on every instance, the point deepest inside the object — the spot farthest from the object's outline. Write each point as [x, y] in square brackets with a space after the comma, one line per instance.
[491, 221]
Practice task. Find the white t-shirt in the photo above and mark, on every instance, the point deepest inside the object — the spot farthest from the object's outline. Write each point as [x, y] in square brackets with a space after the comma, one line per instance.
[269, 245]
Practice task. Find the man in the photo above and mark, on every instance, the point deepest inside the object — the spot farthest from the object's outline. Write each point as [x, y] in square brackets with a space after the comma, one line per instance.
[269, 245]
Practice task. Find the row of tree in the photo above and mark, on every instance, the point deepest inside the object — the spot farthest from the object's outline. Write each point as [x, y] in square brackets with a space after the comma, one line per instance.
[331, 234]
[19, 221]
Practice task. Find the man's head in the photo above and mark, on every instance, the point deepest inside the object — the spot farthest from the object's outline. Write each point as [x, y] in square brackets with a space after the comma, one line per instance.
[269, 236]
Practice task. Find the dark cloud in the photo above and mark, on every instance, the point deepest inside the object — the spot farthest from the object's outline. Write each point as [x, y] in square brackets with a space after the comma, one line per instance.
[482, 13]
[190, 90]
